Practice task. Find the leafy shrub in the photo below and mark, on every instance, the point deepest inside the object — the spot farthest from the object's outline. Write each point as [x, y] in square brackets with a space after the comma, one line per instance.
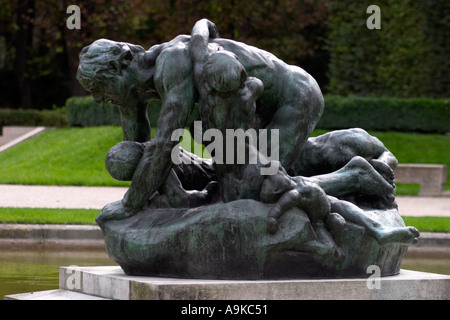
[21, 117]
[383, 114]
[85, 112]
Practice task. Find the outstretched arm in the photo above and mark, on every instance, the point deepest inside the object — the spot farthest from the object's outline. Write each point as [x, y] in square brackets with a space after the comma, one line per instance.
[173, 81]
[156, 162]
[201, 33]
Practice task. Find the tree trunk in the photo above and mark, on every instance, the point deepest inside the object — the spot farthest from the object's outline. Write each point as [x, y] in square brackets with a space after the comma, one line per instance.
[72, 38]
[24, 20]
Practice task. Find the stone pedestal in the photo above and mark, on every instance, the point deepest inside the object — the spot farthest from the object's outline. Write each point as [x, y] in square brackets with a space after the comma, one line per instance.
[112, 283]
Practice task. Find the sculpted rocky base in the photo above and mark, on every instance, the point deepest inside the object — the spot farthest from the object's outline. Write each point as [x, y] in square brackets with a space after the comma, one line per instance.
[230, 241]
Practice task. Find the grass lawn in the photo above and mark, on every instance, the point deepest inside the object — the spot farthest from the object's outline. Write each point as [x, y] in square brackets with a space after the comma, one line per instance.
[87, 217]
[429, 224]
[48, 216]
[75, 156]
[417, 148]
[68, 156]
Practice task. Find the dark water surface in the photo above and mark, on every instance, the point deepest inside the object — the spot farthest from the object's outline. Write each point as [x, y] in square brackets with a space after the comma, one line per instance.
[36, 269]
[31, 270]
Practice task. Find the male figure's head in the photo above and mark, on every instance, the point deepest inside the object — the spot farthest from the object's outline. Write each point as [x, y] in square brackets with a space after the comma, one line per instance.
[104, 69]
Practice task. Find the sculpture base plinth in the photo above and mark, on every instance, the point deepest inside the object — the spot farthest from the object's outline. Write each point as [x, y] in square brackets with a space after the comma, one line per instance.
[110, 282]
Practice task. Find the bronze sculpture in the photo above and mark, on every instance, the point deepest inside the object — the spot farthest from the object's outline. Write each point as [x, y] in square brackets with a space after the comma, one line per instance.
[327, 210]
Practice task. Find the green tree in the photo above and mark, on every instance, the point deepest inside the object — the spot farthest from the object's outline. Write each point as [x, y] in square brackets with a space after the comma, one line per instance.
[40, 53]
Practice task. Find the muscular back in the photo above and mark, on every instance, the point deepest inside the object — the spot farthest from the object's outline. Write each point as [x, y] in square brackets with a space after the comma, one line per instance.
[276, 75]
[284, 85]
[258, 63]
[264, 66]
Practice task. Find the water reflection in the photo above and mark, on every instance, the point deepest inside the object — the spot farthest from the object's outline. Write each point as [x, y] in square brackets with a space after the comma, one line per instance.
[31, 270]
[36, 269]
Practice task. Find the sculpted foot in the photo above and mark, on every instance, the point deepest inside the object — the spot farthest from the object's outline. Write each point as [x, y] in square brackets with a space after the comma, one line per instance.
[405, 235]
[383, 169]
[371, 183]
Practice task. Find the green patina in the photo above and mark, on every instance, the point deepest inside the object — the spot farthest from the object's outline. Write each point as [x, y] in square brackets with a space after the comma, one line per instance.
[326, 209]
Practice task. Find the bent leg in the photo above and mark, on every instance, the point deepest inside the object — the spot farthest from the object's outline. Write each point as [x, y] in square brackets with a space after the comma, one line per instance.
[300, 109]
[358, 177]
[382, 234]
[333, 150]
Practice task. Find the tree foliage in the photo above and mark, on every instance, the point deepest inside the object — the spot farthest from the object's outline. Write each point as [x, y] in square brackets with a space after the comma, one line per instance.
[408, 57]
[294, 30]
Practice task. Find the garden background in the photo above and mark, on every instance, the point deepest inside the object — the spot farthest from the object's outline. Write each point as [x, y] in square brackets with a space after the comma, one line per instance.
[393, 82]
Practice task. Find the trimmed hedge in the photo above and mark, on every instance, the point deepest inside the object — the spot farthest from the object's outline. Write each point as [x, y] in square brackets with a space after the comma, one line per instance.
[406, 58]
[381, 114]
[386, 114]
[85, 112]
[25, 117]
